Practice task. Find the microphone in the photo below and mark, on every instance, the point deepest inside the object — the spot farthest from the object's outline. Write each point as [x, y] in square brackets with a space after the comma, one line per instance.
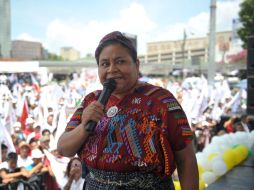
[108, 87]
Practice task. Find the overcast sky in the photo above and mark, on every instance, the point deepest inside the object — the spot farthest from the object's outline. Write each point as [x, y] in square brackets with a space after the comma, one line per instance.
[81, 24]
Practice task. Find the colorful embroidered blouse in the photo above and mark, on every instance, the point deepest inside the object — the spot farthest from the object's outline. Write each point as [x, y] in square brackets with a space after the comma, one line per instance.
[148, 127]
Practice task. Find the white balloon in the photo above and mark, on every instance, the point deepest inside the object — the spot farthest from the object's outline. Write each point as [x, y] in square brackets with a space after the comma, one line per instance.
[219, 167]
[205, 164]
[211, 148]
[208, 177]
[200, 156]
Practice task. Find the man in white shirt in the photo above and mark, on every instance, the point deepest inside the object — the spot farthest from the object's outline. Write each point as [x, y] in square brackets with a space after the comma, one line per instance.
[245, 123]
[24, 160]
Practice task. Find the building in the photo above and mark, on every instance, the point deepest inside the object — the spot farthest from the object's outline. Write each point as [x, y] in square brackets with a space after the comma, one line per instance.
[187, 51]
[27, 50]
[69, 54]
[5, 29]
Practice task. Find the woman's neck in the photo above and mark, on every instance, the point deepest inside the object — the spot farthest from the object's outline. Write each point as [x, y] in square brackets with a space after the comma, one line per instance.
[130, 91]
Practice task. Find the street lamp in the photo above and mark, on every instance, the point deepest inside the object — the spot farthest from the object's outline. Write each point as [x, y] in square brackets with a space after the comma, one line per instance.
[183, 52]
[211, 51]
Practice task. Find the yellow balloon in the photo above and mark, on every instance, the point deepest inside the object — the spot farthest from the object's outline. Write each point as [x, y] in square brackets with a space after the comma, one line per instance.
[201, 184]
[200, 170]
[238, 157]
[244, 150]
[229, 158]
[212, 155]
[177, 185]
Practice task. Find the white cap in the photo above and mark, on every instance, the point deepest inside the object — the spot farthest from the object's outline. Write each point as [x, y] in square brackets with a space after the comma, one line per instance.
[29, 120]
[36, 124]
[36, 153]
[17, 124]
[28, 88]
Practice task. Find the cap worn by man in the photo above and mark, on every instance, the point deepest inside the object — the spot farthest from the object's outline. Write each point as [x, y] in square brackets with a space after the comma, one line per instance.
[17, 125]
[35, 125]
[36, 153]
[29, 120]
[23, 144]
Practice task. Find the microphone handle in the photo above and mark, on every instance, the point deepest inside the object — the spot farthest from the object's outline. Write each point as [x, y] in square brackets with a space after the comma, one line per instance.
[90, 126]
[103, 98]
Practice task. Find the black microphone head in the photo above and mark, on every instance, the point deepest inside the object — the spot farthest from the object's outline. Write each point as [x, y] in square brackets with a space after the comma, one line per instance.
[109, 84]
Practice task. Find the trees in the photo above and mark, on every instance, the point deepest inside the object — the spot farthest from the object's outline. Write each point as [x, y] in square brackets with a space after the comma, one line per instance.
[247, 19]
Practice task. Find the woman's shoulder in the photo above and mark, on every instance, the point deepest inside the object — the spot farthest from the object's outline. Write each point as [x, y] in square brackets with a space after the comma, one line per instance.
[156, 92]
[91, 96]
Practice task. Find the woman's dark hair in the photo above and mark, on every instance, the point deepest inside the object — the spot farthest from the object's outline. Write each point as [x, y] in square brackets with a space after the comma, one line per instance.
[32, 140]
[116, 37]
[68, 168]
[12, 156]
[3, 147]
[44, 131]
[132, 53]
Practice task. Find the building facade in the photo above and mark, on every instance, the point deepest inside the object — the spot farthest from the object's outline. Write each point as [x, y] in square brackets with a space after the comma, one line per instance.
[69, 54]
[26, 50]
[5, 29]
[188, 51]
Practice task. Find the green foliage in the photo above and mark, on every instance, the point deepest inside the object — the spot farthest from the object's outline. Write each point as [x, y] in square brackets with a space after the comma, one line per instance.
[54, 57]
[247, 19]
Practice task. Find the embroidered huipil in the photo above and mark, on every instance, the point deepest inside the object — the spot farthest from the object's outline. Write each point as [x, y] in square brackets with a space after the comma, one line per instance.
[148, 127]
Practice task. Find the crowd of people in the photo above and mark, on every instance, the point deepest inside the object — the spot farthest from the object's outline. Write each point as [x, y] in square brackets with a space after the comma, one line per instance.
[35, 115]
[39, 132]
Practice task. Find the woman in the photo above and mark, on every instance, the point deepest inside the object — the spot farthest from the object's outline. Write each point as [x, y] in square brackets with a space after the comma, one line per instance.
[142, 133]
[73, 173]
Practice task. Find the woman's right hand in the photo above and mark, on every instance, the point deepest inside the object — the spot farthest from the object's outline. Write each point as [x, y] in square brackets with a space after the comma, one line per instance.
[73, 172]
[94, 111]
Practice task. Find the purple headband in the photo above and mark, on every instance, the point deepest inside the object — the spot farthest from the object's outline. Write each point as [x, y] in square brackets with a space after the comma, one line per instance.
[116, 36]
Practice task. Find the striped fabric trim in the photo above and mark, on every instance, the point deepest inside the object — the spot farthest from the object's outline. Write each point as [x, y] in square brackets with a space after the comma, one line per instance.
[151, 91]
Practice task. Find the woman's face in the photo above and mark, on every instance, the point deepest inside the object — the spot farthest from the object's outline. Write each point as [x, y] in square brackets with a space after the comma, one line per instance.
[115, 62]
[77, 167]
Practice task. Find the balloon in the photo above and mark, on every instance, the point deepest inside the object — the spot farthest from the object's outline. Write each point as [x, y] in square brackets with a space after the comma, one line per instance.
[201, 184]
[200, 170]
[212, 155]
[208, 177]
[240, 153]
[219, 167]
[229, 159]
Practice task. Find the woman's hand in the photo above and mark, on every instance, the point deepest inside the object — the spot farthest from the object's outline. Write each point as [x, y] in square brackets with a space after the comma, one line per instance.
[94, 111]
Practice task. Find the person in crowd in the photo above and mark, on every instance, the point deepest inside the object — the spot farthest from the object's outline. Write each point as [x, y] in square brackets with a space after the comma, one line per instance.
[36, 132]
[37, 165]
[142, 133]
[45, 132]
[4, 151]
[245, 122]
[44, 142]
[73, 174]
[12, 171]
[20, 136]
[24, 160]
[29, 126]
[229, 125]
[33, 143]
[50, 125]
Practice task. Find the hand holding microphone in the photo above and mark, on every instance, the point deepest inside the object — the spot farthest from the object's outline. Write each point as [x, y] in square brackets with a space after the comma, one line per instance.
[95, 111]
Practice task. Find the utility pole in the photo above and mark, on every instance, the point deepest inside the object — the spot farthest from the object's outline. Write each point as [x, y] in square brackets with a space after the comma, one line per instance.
[212, 40]
[183, 52]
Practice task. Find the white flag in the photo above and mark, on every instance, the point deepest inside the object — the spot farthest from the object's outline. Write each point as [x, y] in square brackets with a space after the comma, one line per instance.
[5, 138]
[58, 166]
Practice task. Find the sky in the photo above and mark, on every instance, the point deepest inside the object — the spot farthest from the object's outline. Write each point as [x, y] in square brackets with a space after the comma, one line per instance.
[82, 23]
